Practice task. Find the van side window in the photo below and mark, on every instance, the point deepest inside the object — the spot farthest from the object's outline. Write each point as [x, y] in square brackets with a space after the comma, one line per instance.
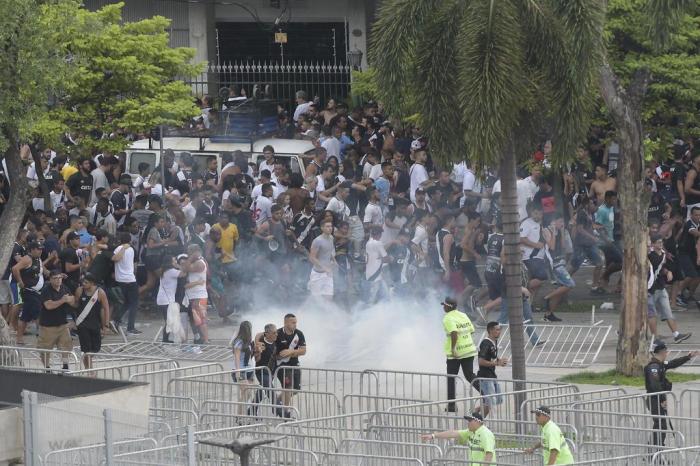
[136, 158]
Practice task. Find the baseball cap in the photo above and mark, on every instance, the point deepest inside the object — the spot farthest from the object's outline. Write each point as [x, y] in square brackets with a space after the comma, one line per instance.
[449, 302]
[542, 410]
[416, 145]
[72, 235]
[474, 417]
[660, 347]
[35, 245]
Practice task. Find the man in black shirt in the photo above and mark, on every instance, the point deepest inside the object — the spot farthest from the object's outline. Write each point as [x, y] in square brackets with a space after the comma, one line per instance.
[488, 361]
[57, 303]
[121, 199]
[687, 249]
[28, 273]
[290, 345]
[18, 251]
[265, 362]
[80, 184]
[70, 261]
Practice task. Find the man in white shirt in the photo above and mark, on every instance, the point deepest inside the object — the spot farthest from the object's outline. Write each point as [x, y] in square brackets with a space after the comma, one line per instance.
[262, 206]
[532, 248]
[302, 105]
[376, 258]
[265, 178]
[418, 173]
[471, 189]
[373, 212]
[125, 277]
[337, 205]
[527, 188]
[269, 162]
[330, 142]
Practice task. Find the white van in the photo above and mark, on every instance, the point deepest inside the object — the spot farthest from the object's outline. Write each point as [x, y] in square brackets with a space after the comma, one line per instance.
[291, 151]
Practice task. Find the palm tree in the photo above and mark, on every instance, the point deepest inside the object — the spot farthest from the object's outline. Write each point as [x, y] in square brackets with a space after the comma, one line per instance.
[487, 76]
[624, 105]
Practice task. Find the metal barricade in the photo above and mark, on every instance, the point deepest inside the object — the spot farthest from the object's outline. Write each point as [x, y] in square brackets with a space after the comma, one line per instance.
[346, 459]
[593, 434]
[566, 399]
[159, 379]
[416, 385]
[316, 443]
[337, 381]
[267, 455]
[355, 403]
[337, 427]
[173, 402]
[124, 371]
[213, 386]
[226, 413]
[161, 456]
[620, 460]
[504, 405]
[689, 402]
[177, 419]
[230, 433]
[688, 456]
[677, 351]
[182, 352]
[455, 462]
[602, 450]
[571, 346]
[94, 454]
[512, 385]
[22, 356]
[423, 451]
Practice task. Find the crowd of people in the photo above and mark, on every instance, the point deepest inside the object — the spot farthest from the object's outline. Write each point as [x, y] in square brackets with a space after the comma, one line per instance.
[372, 217]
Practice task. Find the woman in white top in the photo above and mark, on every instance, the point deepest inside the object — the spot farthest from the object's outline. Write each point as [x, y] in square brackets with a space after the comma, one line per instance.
[170, 272]
[196, 291]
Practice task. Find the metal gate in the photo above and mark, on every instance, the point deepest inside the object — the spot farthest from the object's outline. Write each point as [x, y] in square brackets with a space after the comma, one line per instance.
[557, 345]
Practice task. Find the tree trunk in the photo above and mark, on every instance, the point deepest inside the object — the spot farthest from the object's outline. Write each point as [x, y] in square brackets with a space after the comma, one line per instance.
[623, 105]
[512, 266]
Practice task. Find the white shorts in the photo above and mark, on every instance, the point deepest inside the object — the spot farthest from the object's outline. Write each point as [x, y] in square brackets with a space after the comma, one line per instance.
[320, 283]
[5, 293]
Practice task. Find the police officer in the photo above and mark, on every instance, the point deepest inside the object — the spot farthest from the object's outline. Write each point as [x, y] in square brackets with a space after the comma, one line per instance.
[459, 346]
[481, 441]
[655, 381]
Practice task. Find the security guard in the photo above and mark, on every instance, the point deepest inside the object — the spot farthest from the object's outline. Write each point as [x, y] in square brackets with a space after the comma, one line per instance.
[555, 450]
[655, 381]
[481, 441]
[459, 346]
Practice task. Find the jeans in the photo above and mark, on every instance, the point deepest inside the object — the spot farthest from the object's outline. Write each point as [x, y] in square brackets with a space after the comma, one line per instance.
[453, 365]
[527, 317]
[131, 304]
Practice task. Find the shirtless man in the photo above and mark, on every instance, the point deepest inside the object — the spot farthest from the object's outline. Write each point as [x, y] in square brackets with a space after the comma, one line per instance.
[602, 184]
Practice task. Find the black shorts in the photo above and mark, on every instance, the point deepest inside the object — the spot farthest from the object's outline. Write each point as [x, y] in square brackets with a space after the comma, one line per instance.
[153, 263]
[688, 266]
[470, 273]
[31, 306]
[289, 378]
[537, 269]
[90, 340]
[495, 283]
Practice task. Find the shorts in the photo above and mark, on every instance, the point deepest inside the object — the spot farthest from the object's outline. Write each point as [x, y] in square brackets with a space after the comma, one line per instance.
[536, 269]
[199, 311]
[16, 296]
[289, 377]
[320, 283]
[50, 337]
[562, 276]
[90, 340]
[495, 283]
[244, 375]
[5, 292]
[470, 273]
[613, 254]
[659, 305]
[153, 263]
[31, 307]
[688, 266]
[490, 387]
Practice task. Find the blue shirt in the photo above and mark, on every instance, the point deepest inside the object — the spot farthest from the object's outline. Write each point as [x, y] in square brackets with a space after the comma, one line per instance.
[606, 216]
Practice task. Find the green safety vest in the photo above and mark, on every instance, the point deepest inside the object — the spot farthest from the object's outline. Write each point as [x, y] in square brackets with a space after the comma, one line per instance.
[456, 321]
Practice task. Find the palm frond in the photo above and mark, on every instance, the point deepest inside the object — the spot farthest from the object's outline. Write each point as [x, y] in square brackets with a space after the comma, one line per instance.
[436, 87]
[492, 75]
[392, 46]
[665, 16]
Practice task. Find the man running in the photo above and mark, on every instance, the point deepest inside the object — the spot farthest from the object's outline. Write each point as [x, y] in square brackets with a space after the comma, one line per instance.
[488, 361]
[459, 346]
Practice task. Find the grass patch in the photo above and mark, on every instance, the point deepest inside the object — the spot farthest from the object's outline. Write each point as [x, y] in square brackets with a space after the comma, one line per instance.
[612, 377]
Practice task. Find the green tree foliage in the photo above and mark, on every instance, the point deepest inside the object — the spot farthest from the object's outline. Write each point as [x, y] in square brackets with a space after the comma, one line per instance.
[670, 107]
[122, 78]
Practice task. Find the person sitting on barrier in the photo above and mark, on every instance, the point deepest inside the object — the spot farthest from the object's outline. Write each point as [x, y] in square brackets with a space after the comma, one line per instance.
[488, 361]
[481, 441]
[459, 346]
[554, 447]
[655, 381]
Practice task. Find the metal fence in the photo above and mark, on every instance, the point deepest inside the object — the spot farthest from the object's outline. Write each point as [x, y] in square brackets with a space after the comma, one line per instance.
[571, 346]
[278, 81]
[181, 352]
[159, 379]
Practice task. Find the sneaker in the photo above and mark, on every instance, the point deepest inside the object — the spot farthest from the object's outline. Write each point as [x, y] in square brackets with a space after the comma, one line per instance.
[540, 343]
[681, 302]
[681, 337]
[551, 318]
[134, 331]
